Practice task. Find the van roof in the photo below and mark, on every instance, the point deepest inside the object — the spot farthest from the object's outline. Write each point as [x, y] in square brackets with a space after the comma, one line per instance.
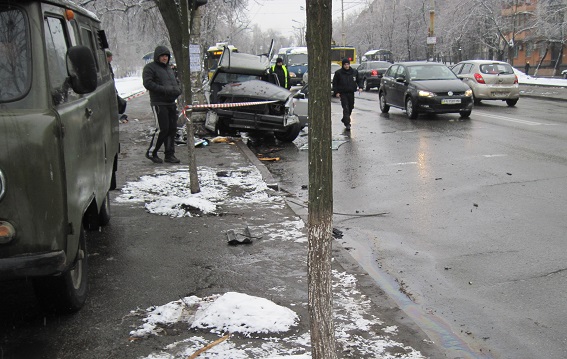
[69, 5]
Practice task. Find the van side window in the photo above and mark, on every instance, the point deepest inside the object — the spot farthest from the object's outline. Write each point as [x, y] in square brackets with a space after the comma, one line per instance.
[15, 54]
[56, 46]
[88, 40]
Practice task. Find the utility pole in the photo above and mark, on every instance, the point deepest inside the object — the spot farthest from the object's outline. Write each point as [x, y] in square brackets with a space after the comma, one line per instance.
[431, 39]
[343, 22]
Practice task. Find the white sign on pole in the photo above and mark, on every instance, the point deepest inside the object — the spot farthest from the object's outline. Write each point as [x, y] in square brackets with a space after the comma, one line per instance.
[431, 40]
[195, 57]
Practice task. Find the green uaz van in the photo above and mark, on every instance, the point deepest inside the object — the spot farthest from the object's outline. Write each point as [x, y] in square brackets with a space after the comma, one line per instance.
[58, 145]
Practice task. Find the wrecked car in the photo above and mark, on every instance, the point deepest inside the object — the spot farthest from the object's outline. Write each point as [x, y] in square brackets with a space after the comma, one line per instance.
[245, 78]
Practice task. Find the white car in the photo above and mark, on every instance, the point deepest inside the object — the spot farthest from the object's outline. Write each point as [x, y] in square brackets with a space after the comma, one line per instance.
[489, 80]
[564, 74]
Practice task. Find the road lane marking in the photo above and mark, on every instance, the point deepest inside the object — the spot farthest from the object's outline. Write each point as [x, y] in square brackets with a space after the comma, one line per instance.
[498, 155]
[504, 118]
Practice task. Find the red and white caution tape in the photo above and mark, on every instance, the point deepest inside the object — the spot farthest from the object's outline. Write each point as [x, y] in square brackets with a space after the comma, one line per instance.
[226, 105]
[137, 94]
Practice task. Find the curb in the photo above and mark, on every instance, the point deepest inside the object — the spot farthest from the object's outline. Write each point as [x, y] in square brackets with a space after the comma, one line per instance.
[266, 175]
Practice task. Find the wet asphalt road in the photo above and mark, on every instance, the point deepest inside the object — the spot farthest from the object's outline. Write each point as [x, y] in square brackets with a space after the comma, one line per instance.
[474, 242]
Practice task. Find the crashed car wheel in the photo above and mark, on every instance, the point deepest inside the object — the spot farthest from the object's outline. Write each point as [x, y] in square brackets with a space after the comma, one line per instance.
[223, 129]
[291, 133]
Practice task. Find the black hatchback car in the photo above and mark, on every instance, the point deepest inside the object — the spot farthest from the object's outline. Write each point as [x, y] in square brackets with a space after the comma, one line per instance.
[371, 72]
[424, 87]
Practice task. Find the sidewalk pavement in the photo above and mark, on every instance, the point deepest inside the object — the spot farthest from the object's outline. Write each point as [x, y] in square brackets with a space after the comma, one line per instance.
[544, 92]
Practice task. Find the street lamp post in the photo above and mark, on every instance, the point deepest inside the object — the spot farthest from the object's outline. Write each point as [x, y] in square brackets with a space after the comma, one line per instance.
[301, 31]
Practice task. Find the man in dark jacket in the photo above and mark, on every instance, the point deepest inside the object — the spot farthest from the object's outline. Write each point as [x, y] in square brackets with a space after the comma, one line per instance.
[346, 82]
[159, 79]
[282, 73]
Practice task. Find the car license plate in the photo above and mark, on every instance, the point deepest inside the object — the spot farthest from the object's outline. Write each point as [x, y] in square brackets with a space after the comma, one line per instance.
[450, 101]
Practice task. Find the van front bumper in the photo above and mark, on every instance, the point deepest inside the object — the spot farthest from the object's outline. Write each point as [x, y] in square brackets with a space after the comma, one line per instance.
[33, 265]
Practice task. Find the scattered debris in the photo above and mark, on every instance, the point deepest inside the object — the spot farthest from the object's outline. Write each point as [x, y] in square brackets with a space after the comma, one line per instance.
[337, 233]
[261, 158]
[209, 346]
[475, 204]
[508, 173]
[221, 139]
[240, 238]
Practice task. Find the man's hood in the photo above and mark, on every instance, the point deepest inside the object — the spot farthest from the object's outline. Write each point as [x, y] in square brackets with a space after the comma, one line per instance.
[161, 50]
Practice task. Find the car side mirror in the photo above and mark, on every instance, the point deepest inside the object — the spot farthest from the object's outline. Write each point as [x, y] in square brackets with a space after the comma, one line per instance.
[401, 78]
[81, 69]
[300, 95]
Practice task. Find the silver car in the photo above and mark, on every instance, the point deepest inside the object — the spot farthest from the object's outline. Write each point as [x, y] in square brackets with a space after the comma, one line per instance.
[489, 80]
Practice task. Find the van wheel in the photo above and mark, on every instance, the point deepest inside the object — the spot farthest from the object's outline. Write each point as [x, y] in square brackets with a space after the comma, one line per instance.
[66, 293]
[290, 135]
[104, 214]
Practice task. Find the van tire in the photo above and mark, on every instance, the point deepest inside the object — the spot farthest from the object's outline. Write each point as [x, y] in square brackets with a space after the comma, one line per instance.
[66, 293]
[113, 180]
[104, 214]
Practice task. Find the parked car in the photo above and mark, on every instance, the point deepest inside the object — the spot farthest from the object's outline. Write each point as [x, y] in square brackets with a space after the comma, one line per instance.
[372, 72]
[489, 80]
[59, 146]
[564, 74]
[241, 78]
[301, 104]
[424, 87]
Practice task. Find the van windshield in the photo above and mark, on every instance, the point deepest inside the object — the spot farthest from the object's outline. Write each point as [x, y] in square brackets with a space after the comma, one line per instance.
[15, 54]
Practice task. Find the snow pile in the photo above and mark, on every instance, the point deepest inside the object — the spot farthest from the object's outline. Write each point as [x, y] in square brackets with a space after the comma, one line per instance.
[168, 193]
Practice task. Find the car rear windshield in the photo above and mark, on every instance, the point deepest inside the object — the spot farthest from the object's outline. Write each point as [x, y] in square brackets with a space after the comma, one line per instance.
[430, 72]
[380, 65]
[496, 69]
[15, 54]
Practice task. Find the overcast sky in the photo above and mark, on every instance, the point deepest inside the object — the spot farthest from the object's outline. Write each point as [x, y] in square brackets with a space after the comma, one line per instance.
[279, 14]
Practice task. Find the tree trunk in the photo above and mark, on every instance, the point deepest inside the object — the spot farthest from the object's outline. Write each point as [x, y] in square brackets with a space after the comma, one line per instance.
[320, 180]
[189, 82]
[177, 21]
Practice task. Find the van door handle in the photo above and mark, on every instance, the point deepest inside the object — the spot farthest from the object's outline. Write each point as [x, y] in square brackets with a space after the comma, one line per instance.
[88, 112]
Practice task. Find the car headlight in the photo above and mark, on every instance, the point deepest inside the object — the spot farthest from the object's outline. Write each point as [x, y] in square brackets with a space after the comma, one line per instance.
[2, 184]
[468, 93]
[292, 74]
[422, 93]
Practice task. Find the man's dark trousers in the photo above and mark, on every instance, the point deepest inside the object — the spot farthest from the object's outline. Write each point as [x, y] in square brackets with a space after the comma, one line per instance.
[166, 127]
[347, 102]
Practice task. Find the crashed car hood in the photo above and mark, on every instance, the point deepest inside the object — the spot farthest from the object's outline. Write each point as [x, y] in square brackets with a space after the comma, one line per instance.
[257, 89]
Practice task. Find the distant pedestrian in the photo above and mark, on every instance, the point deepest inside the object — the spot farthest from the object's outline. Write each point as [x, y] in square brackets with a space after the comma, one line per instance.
[109, 60]
[282, 73]
[527, 68]
[159, 79]
[346, 82]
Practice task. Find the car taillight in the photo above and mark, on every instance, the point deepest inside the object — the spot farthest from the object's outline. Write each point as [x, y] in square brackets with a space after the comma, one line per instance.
[516, 79]
[374, 73]
[478, 78]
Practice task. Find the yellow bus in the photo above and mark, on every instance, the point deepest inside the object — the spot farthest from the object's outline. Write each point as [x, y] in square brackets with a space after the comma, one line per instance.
[338, 53]
[213, 55]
